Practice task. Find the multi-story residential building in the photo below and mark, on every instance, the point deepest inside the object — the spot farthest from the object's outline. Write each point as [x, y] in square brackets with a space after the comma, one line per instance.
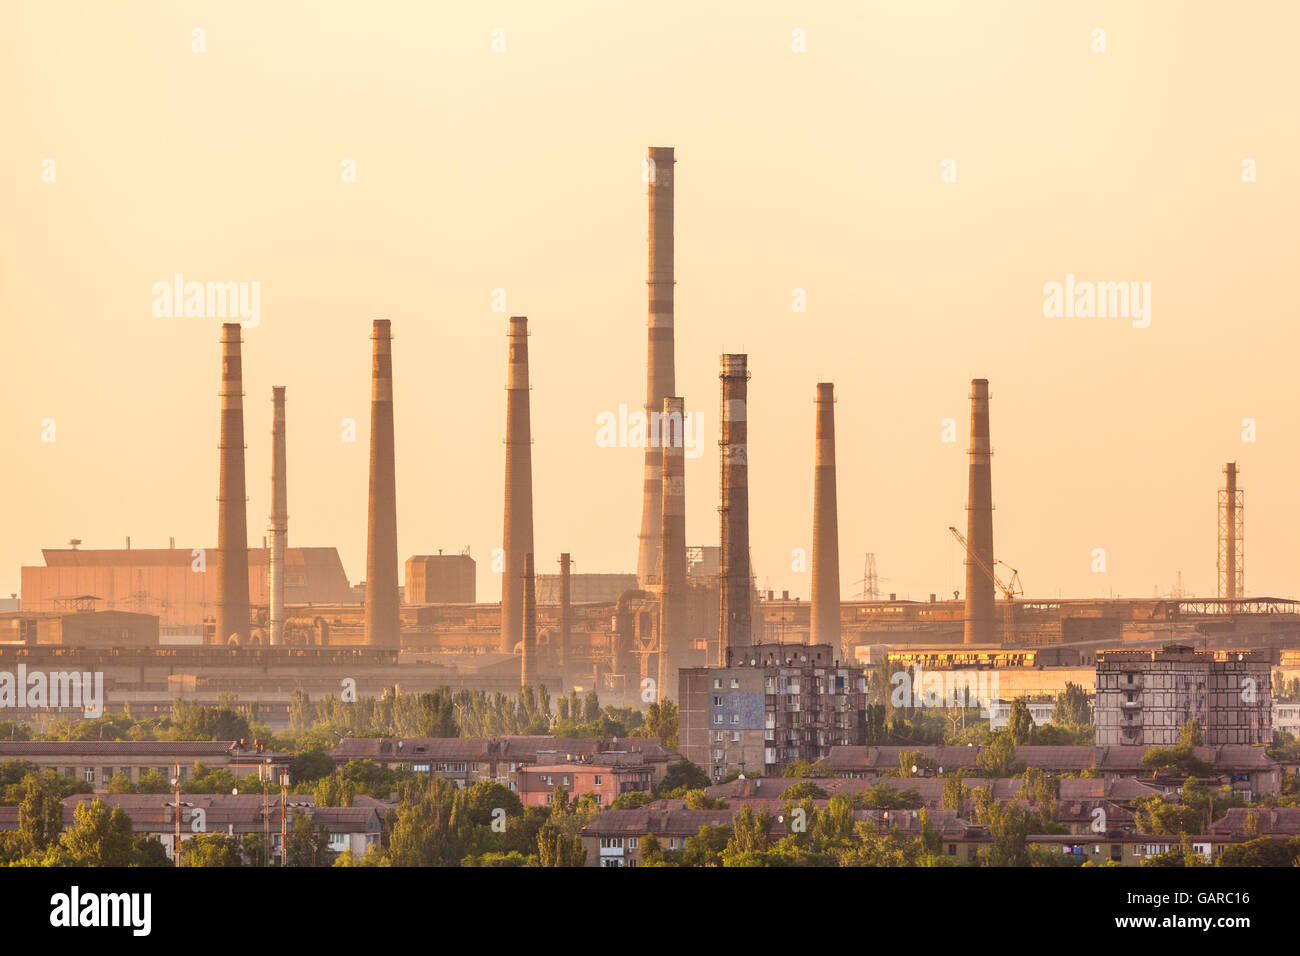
[470, 760]
[98, 761]
[1144, 697]
[1039, 710]
[352, 828]
[1286, 716]
[606, 782]
[775, 705]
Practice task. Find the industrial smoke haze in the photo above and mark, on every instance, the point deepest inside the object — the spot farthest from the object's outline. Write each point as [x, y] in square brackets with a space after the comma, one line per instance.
[823, 172]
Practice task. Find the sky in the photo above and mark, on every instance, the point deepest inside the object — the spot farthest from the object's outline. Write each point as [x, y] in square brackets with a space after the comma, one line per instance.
[919, 169]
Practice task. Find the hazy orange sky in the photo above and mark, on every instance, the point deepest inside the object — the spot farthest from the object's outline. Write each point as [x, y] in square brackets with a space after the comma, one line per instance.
[521, 170]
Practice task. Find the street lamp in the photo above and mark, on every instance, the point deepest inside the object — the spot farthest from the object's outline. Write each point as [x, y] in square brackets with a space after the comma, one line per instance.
[284, 817]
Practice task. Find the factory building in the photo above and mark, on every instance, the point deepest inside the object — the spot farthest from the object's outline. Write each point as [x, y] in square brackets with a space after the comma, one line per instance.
[440, 579]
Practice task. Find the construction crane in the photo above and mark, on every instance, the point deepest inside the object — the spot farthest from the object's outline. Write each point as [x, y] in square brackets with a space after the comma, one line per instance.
[1009, 590]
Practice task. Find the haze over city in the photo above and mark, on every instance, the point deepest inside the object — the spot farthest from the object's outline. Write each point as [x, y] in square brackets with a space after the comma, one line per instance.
[521, 170]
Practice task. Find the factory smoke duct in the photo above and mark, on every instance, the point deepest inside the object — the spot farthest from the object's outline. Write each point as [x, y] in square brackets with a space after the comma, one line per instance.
[528, 648]
[659, 357]
[232, 508]
[566, 610]
[518, 536]
[826, 533]
[734, 608]
[673, 640]
[980, 621]
[279, 513]
[382, 614]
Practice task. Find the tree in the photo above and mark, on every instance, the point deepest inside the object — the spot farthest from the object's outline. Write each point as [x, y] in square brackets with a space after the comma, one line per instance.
[1072, 707]
[749, 834]
[804, 789]
[153, 781]
[998, 758]
[1010, 826]
[212, 849]
[309, 843]
[98, 837]
[1190, 735]
[40, 815]
[591, 708]
[1021, 723]
[438, 714]
[682, 775]
[955, 792]
[554, 848]
[1265, 851]
[661, 722]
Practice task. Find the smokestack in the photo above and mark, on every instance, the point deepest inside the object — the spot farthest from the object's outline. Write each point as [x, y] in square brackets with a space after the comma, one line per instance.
[383, 617]
[673, 640]
[518, 537]
[980, 622]
[734, 620]
[566, 610]
[528, 652]
[1232, 572]
[279, 514]
[659, 357]
[826, 532]
[232, 507]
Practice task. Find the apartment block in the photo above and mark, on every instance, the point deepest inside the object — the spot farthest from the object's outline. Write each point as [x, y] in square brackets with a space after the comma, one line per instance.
[775, 705]
[1144, 697]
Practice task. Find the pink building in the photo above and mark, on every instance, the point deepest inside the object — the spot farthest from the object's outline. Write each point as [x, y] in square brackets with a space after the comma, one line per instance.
[607, 783]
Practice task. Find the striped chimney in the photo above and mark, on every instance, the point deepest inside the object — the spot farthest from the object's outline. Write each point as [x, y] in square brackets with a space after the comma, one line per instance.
[518, 537]
[528, 651]
[659, 356]
[383, 615]
[980, 622]
[232, 502]
[673, 640]
[279, 513]
[734, 607]
[826, 534]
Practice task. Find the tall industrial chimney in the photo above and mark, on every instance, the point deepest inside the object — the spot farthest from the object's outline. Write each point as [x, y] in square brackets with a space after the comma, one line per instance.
[659, 361]
[232, 507]
[980, 622]
[734, 608]
[383, 616]
[826, 531]
[279, 513]
[673, 638]
[1232, 513]
[528, 652]
[566, 610]
[518, 537]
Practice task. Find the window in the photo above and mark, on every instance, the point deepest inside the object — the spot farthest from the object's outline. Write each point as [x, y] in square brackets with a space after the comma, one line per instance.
[564, 780]
[735, 736]
[735, 682]
[717, 718]
[596, 797]
[611, 843]
[735, 718]
[598, 780]
[89, 775]
[633, 842]
[719, 735]
[717, 700]
[549, 798]
[717, 683]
